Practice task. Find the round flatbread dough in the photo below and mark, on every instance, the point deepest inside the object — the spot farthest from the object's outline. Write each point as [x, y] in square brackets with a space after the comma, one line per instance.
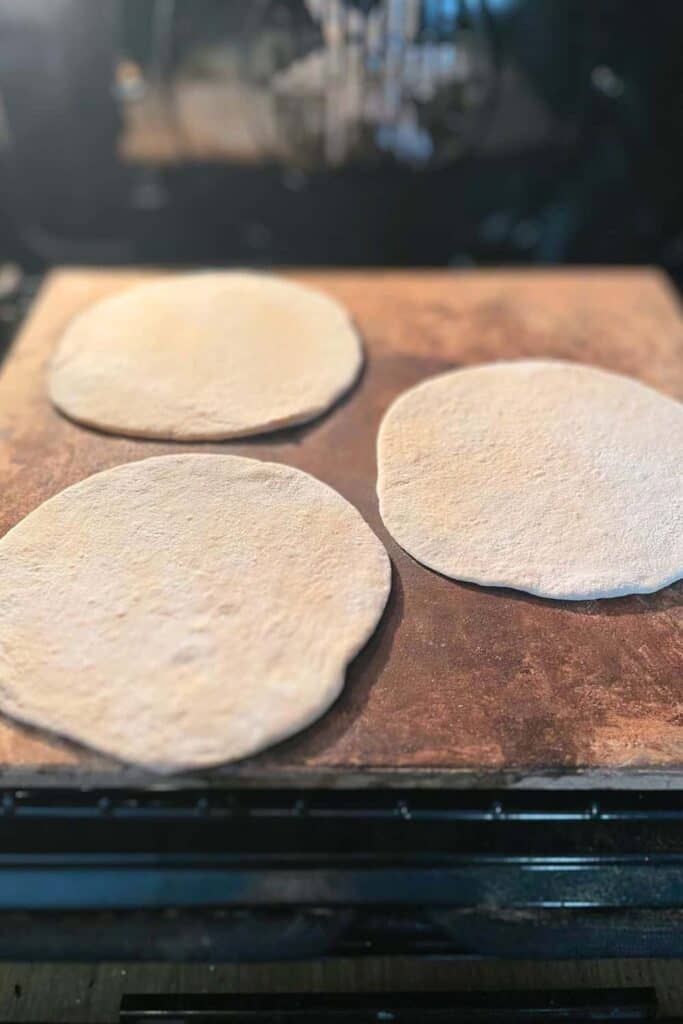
[185, 610]
[205, 356]
[550, 477]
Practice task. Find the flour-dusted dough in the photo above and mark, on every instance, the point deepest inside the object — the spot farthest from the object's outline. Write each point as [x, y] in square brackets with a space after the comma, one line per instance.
[550, 477]
[187, 609]
[205, 356]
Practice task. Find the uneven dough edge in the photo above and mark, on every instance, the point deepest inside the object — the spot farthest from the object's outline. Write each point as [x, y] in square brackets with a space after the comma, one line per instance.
[14, 711]
[197, 437]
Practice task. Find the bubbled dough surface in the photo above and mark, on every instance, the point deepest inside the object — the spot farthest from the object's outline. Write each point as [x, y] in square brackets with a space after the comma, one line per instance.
[205, 356]
[187, 609]
[549, 477]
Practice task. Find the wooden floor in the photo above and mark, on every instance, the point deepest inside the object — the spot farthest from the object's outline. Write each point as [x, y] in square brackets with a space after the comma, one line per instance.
[91, 993]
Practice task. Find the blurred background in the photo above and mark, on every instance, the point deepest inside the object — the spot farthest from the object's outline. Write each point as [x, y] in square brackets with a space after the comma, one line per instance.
[338, 132]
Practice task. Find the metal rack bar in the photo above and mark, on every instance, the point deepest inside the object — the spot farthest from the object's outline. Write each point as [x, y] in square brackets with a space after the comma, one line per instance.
[399, 1008]
[260, 874]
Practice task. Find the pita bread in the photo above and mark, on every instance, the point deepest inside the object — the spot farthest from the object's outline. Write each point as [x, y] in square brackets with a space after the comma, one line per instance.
[187, 609]
[205, 356]
[549, 477]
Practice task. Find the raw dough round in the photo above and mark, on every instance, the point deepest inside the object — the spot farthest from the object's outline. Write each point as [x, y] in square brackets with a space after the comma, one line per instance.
[550, 477]
[185, 610]
[205, 356]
